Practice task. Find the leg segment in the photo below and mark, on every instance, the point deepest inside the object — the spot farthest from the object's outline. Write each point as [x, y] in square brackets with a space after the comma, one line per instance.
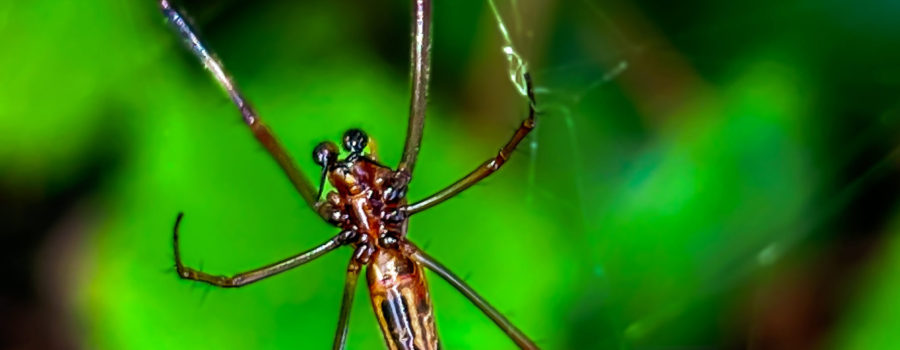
[420, 55]
[514, 333]
[486, 168]
[251, 276]
[250, 117]
[340, 336]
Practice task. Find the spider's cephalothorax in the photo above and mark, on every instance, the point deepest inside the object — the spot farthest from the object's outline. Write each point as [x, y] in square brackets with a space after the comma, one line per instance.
[368, 205]
[368, 199]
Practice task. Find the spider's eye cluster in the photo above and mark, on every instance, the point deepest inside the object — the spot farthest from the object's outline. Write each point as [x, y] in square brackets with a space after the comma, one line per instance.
[355, 141]
[325, 153]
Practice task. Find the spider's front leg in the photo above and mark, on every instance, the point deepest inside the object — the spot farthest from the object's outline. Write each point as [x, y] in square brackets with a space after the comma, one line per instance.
[489, 166]
[419, 66]
[244, 278]
[250, 117]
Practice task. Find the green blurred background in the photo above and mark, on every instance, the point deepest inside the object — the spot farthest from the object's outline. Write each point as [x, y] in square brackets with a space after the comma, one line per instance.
[704, 174]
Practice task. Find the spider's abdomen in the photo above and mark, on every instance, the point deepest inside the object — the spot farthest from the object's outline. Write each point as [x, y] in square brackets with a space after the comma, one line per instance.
[401, 302]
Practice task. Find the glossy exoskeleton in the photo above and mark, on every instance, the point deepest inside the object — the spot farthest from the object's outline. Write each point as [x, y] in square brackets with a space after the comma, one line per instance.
[369, 206]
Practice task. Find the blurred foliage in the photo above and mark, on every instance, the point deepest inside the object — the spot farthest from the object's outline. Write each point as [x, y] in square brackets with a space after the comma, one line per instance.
[688, 158]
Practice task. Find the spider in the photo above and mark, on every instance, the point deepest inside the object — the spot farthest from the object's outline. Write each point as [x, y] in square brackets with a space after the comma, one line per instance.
[369, 205]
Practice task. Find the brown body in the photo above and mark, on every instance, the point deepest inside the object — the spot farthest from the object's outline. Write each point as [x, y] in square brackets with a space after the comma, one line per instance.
[400, 298]
[397, 286]
[369, 204]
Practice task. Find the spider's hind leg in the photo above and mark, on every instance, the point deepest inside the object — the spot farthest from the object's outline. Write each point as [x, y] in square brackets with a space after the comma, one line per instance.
[514, 333]
[340, 336]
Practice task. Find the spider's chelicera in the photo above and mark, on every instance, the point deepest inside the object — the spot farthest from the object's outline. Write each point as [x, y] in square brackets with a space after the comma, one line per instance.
[368, 204]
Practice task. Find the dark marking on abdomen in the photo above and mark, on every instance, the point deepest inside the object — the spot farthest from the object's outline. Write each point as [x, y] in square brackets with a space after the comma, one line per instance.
[400, 299]
[396, 314]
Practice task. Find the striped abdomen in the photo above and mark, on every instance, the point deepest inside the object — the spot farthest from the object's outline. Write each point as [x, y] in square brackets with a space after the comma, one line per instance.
[400, 298]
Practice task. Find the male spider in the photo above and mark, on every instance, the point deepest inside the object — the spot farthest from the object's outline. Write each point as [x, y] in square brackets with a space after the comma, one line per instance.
[369, 206]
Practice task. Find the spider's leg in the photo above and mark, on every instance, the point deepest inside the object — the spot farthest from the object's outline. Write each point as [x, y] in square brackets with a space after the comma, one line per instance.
[420, 54]
[251, 276]
[250, 117]
[340, 336]
[514, 333]
[488, 167]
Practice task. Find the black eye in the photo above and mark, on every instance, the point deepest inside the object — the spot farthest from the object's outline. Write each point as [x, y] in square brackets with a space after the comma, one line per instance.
[325, 153]
[355, 140]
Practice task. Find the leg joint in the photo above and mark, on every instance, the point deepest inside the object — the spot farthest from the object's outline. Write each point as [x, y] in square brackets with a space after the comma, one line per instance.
[497, 162]
[528, 123]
